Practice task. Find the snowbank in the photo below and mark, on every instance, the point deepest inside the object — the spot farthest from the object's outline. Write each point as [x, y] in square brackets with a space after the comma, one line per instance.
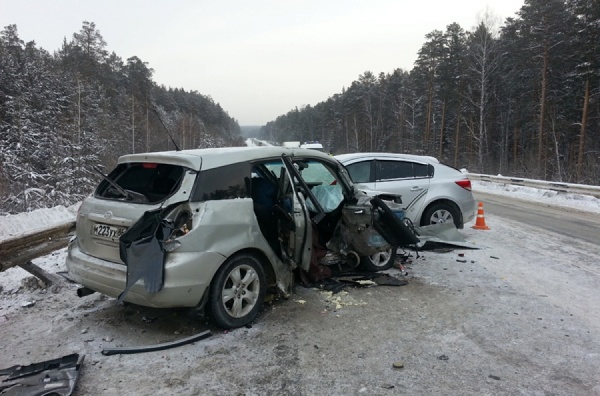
[581, 202]
[14, 226]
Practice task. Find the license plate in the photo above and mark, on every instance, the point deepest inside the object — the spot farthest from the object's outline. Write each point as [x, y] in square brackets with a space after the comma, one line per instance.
[107, 231]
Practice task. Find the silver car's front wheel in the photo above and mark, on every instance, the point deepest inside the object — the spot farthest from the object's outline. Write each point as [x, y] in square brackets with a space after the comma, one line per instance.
[237, 291]
[379, 261]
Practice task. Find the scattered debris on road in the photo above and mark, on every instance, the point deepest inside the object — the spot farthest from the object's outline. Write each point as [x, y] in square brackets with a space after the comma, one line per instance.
[28, 304]
[158, 347]
[56, 377]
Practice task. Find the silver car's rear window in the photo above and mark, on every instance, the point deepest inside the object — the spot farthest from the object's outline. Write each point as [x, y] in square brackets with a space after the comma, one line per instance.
[149, 182]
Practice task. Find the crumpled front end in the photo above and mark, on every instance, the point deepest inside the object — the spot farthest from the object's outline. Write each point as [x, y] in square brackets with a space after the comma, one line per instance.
[369, 227]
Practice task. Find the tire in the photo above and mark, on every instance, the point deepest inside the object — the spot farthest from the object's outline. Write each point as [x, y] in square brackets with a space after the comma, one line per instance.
[441, 213]
[237, 292]
[378, 261]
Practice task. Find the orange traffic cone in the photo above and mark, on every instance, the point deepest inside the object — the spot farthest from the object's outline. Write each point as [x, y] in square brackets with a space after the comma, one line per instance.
[480, 222]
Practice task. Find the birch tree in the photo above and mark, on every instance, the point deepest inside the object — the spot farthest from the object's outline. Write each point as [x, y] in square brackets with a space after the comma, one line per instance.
[483, 61]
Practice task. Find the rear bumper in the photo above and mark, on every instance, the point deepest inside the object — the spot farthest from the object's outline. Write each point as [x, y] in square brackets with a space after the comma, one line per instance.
[186, 277]
[468, 211]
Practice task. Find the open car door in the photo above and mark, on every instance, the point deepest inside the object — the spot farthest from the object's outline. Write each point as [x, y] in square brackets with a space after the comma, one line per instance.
[350, 220]
[294, 223]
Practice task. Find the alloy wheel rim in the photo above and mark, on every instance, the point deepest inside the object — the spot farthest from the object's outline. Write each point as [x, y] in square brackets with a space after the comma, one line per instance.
[241, 291]
[441, 216]
[380, 259]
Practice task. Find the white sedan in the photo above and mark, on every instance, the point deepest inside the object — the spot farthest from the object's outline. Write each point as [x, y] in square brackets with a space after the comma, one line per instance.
[431, 191]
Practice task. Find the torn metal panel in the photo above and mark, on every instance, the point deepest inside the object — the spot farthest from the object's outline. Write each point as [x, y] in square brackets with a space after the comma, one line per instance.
[441, 234]
[356, 232]
[51, 377]
[369, 229]
[141, 248]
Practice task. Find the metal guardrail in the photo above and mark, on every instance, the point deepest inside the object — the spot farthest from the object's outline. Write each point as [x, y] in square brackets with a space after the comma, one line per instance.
[21, 250]
[546, 185]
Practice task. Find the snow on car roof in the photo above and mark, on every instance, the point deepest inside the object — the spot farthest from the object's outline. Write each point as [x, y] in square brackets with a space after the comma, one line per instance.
[425, 158]
[209, 158]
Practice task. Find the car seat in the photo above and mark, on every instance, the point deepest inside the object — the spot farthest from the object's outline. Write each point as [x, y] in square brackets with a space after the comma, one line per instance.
[264, 195]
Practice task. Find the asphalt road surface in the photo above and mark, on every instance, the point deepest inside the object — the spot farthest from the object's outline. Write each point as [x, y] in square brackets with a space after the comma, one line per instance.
[584, 226]
[519, 315]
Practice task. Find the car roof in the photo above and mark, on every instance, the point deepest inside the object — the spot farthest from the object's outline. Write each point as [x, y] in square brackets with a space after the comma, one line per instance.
[345, 158]
[209, 158]
[311, 145]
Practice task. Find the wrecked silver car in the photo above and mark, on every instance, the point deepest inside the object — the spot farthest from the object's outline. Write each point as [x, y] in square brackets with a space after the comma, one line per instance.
[214, 228]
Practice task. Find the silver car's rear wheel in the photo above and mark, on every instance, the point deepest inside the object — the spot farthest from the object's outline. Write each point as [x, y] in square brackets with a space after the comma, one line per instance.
[237, 291]
[441, 213]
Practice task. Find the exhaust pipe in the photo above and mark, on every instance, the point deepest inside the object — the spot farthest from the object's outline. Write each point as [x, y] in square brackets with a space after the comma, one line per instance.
[84, 291]
[353, 259]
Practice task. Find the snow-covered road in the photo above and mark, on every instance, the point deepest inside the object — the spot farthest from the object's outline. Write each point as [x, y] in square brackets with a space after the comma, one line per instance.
[520, 315]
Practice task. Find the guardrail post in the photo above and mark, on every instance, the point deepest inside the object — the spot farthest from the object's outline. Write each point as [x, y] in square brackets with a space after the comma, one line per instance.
[46, 277]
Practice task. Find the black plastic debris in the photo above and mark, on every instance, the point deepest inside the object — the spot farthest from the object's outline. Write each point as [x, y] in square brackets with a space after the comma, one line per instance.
[51, 377]
[442, 250]
[65, 276]
[158, 347]
[332, 285]
[388, 280]
[340, 280]
[391, 228]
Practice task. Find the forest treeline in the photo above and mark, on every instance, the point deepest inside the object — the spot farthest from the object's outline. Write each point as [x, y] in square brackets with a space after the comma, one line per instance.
[61, 114]
[520, 100]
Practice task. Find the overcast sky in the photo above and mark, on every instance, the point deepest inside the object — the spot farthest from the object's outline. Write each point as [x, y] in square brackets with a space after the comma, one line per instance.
[257, 58]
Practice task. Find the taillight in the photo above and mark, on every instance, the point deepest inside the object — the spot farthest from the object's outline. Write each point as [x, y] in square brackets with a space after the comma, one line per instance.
[466, 184]
[182, 225]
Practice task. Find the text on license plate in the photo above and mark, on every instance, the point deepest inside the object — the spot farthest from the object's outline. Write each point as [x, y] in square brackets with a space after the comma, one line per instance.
[107, 231]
